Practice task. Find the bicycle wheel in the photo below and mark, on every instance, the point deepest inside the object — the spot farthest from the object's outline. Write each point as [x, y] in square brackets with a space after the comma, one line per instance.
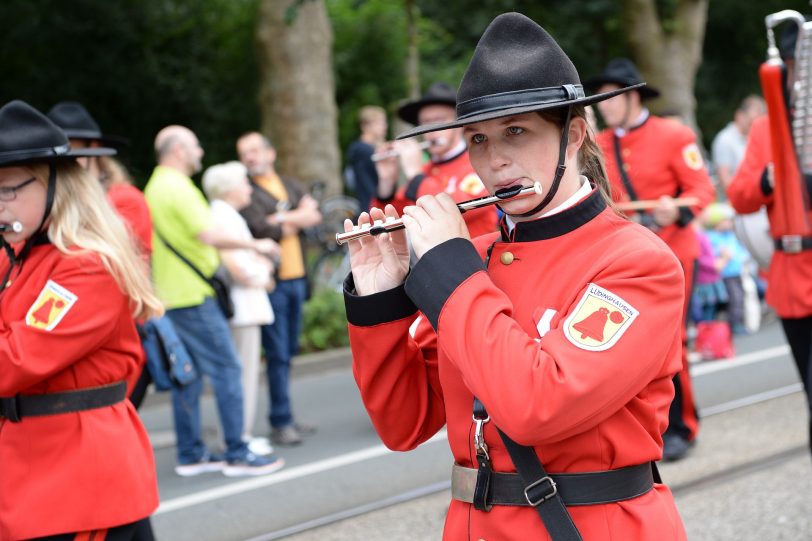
[330, 270]
[334, 210]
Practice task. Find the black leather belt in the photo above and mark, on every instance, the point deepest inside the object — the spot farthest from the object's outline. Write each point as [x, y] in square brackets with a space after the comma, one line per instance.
[15, 408]
[589, 488]
[793, 244]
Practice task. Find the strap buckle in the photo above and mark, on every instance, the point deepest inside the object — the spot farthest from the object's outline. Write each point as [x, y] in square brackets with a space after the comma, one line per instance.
[479, 438]
[791, 244]
[553, 490]
[9, 409]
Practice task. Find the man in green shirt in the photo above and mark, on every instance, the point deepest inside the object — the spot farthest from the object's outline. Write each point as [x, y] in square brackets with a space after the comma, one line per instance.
[181, 218]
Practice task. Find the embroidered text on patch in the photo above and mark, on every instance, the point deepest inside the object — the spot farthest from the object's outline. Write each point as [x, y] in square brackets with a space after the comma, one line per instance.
[599, 320]
[53, 302]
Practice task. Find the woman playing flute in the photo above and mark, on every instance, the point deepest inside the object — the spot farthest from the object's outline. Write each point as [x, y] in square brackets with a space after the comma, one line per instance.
[560, 333]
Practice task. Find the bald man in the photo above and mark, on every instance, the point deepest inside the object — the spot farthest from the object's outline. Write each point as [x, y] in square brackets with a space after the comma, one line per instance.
[183, 227]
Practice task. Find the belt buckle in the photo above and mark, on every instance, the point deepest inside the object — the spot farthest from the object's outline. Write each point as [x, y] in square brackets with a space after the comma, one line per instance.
[791, 244]
[9, 409]
[544, 497]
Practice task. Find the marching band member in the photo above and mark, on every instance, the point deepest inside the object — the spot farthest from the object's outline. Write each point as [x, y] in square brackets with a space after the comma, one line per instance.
[449, 169]
[789, 278]
[72, 284]
[653, 158]
[561, 332]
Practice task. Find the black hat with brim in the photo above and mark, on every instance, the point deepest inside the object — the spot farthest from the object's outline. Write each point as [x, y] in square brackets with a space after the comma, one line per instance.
[623, 72]
[437, 94]
[516, 68]
[77, 123]
[27, 136]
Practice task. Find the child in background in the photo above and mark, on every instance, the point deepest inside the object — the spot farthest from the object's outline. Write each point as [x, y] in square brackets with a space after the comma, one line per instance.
[709, 291]
[731, 260]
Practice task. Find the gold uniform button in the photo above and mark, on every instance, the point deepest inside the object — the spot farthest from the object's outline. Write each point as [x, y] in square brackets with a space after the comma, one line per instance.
[626, 167]
[627, 152]
[506, 258]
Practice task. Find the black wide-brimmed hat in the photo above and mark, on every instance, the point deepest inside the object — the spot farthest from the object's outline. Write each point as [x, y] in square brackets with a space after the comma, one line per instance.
[517, 67]
[28, 136]
[77, 123]
[437, 94]
[623, 72]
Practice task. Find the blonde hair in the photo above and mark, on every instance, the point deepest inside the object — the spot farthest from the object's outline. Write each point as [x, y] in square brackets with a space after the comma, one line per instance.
[590, 155]
[369, 114]
[111, 172]
[82, 221]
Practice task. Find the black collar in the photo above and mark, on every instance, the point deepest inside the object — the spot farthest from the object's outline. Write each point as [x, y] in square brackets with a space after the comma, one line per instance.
[557, 224]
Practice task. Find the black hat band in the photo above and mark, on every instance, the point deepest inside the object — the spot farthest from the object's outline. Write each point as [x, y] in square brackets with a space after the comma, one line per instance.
[36, 152]
[519, 98]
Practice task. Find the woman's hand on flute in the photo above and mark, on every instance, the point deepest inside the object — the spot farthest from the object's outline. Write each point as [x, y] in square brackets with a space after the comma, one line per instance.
[379, 262]
[432, 221]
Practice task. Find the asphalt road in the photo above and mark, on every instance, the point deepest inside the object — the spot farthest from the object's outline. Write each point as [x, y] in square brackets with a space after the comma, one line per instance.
[342, 476]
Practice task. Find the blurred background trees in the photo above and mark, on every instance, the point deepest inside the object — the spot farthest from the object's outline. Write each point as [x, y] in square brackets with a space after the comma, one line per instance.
[223, 67]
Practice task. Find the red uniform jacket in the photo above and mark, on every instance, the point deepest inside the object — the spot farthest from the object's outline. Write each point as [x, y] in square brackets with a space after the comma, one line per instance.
[65, 324]
[571, 344]
[457, 178]
[661, 158]
[789, 280]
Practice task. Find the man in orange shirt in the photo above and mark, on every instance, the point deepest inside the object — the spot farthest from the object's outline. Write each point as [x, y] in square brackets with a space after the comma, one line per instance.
[651, 158]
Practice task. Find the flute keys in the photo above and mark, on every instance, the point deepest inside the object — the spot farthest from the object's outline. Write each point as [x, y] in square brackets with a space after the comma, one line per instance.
[506, 258]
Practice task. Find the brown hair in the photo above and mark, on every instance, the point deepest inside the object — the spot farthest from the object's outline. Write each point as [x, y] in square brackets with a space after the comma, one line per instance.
[590, 156]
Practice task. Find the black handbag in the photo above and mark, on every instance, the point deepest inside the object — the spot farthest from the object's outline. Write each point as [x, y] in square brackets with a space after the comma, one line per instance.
[220, 281]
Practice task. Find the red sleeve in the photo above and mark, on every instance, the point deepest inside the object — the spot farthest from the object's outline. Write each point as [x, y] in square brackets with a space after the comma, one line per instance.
[395, 367]
[131, 205]
[548, 390]
[30, 355]
[745, 192]
[690, 170]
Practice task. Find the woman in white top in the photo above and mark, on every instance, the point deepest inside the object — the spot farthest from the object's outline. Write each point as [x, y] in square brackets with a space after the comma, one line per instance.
[228, 190]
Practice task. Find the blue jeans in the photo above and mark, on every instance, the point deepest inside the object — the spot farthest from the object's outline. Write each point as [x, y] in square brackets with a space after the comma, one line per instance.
[281, 343]
[205, 333]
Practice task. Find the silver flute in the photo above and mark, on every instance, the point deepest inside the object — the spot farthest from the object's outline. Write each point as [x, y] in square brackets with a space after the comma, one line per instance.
[14, 227]
[391, 153]
[393, 224]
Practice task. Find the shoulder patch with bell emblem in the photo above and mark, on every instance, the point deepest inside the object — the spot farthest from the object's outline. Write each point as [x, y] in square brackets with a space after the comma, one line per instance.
[599, 320]
[692, 156]
[53, 302]
[471, 184]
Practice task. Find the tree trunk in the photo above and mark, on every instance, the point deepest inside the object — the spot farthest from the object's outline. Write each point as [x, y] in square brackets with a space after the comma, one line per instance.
[413, 58]
[297, 90]
[668, 59]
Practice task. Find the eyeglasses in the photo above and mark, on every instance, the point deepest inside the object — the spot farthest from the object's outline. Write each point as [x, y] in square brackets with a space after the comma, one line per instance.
[9, 193]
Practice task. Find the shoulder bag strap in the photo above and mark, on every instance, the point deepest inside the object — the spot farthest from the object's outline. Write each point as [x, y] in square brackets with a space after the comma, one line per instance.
[172, 249]
[541, 491]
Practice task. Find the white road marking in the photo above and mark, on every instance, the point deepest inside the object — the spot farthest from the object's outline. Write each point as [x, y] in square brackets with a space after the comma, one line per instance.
[709, 367]
[254, 483]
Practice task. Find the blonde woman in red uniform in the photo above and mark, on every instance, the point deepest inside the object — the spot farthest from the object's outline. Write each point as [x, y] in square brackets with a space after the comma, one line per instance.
[547, 349]
[72, 282]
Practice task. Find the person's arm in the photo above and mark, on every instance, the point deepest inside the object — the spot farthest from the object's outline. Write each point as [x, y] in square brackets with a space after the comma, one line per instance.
[547, 390]
[693, 181]
[752, 185]
[222, 240]
[90, 313]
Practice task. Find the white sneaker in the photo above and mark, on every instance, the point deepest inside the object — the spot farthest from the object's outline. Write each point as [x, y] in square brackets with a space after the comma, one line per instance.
[260, 446]
[208, 463]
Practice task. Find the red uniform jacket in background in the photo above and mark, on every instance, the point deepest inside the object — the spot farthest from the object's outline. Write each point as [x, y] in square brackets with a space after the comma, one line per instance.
[74, 471]
[661, 158]
[457, 178]
[789, 279]
[570, 339]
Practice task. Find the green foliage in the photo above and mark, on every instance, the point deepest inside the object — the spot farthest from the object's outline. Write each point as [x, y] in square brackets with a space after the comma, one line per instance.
[325, 322]
[138, 65]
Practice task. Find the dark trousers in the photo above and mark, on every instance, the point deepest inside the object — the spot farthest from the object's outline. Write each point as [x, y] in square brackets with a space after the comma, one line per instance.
[799, 336]
[136, 531]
